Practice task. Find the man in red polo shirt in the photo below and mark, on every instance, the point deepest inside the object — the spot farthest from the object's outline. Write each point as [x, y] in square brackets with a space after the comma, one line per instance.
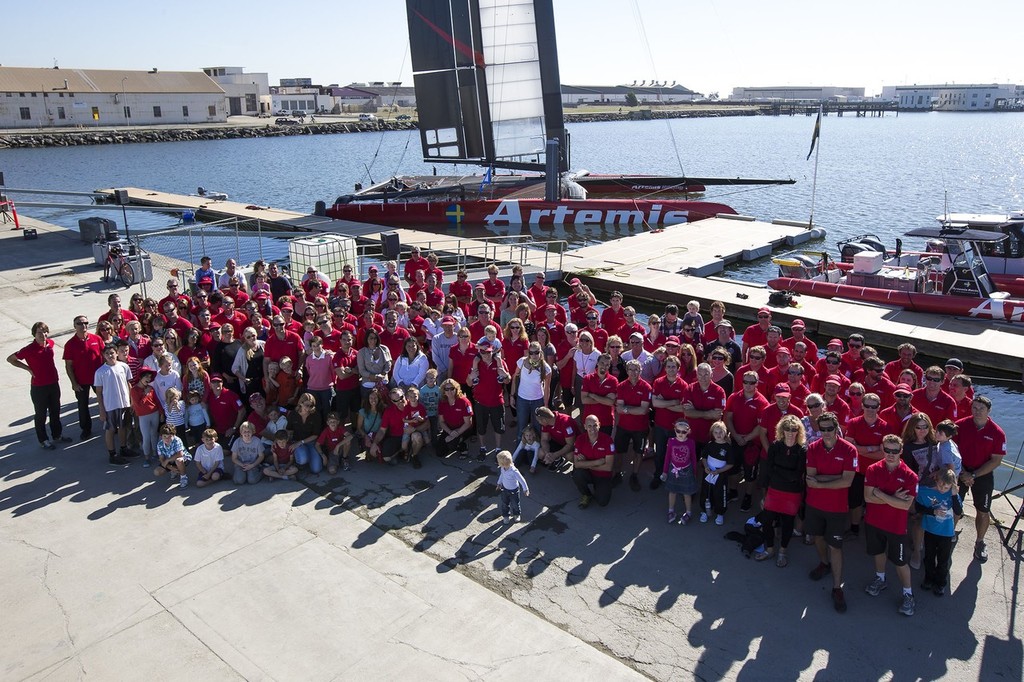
[538, 290]
[598, 393]
[632, 412]
[83, 355]
[416, 263]
[865, 433]
[889, 491]
[742, 418]
[831, 467]
[755, 363]
[613, 317]
[225, 407]
[558, 433]
[592, 464]
[907, 352]
[489, 378]
[771, 416]
[347, 398]
[757, 333]
[494, 288]
[393, 336]
[282, 343]
[932, 400]
[982, 446]
[798, 327]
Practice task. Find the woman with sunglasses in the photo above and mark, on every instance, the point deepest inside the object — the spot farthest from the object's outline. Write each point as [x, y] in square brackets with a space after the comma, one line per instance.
[783, 475]
[530, 388]
[136, 305]
[719, 360]
[248, 365]
[374, 363]
[455, 418]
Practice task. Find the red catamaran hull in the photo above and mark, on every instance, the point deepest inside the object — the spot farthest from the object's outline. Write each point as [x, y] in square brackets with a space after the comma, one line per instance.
[506, 212]
[994, 309]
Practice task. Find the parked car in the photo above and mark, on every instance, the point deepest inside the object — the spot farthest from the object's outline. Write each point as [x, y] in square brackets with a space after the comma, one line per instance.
[367, 117]
[286, 122]
[282, 112]
[403, 117]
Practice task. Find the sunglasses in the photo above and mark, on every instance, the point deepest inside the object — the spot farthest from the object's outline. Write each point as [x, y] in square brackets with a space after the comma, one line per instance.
[831, 362]
[687, 329]
[815, 406]
[279, 324]
[934, 380]
[749, 383]
[757, 357]
[790, 429]
[856, 395]
[794, 372]
[716, 358]
[534, 352]
[763, 317]
[869, 407]
[856, 345]
[826, 429]
[619, 347]
[591, 318]
[891, 451]
[682, 432]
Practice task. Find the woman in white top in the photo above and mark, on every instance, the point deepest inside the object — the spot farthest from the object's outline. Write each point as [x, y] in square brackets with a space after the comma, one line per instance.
[411, 366]
[585, 358]
[531, 386]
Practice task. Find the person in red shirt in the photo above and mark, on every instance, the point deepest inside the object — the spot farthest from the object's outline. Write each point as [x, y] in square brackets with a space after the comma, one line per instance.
[771, 416]
[668, 393]
[347, 397]
[982, 446]
[392, 426]
[592, 464]
[875, 380]
[558, 433]
[833, 403]
[802, 358]
[38, 359]
[831, 467]
[455, 417]
[900, 411]
[755, 363]
[225, 408]
[798, 327]
[393, 336]
[865, 433]
[632, 413]
[932, 400]
[333, 443]
[538, 290]
[851, 358]
[742, 415]
[710, 332]
[889, 491]
[494, 288]
[703, 405]
[613, 317]
[349, 279]
[598, 393]
[83, 355]
[114, 301]
[282, 343]
[488, 378]
[550, 302]
[757, 333]
[907, 352]
[416, 263]
[961, 390]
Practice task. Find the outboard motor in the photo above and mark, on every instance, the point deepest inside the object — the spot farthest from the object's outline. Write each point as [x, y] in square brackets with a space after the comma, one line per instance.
[344, 199]
[858, 245]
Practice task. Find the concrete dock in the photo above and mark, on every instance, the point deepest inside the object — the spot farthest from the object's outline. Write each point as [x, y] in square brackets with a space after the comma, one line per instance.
[381, 573]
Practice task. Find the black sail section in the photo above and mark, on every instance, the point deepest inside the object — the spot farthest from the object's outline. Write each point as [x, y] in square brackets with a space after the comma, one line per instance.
[487, 81]
[451, 92]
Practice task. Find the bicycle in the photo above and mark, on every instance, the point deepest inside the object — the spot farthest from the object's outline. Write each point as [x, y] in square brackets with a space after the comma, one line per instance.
[117, 262]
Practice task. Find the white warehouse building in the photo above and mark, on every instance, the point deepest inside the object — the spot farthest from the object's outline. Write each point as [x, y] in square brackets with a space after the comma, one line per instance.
[46, 98]
[952, 97]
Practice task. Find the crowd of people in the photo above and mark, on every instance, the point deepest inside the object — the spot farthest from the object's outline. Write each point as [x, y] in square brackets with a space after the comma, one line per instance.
[253, 376]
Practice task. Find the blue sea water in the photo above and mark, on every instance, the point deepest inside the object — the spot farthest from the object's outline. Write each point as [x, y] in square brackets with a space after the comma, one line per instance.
[882, 175]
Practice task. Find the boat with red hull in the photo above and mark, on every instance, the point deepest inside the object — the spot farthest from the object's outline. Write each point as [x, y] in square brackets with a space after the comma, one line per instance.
[488, 93]
[951, 282]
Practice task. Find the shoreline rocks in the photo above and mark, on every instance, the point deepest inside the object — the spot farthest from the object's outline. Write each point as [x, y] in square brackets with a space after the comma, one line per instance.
[77, 137]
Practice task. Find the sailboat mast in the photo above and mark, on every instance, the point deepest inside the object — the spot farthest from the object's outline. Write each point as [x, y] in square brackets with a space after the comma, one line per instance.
[817, 150]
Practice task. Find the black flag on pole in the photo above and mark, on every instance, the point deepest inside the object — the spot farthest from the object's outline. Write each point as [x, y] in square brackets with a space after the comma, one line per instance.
[814, 137]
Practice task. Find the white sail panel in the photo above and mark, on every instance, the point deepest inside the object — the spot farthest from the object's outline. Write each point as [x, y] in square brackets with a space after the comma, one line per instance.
[513, 76]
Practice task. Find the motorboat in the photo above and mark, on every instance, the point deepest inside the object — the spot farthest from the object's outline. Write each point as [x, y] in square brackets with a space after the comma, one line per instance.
[949, 277]
[1004, 259]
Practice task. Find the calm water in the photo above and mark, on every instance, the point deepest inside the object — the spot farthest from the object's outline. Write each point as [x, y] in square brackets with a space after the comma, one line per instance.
[875, 175]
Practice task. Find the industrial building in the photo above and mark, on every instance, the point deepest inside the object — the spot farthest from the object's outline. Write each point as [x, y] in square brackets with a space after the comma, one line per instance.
[645, 93]
[248, 94]
[59, 97]
[797, 93]
[952, 97]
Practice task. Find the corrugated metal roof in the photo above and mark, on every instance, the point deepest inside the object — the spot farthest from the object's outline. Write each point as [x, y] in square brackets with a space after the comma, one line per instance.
[22, 79]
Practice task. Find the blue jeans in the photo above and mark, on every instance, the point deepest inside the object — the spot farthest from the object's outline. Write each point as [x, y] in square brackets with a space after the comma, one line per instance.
[526, 415]
[307, 454]
[509, 502]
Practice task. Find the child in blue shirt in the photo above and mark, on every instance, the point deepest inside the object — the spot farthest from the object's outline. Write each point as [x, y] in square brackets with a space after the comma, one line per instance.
[937, 505]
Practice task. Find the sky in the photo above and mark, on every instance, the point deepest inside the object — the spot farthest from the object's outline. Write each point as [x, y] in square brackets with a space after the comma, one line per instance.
[708, 46]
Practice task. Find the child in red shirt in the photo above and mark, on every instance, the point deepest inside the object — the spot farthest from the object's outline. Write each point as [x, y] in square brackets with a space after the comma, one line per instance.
[334, 441]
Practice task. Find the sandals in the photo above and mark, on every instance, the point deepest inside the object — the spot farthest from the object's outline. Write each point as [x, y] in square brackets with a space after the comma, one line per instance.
[782, 561]
[763, 556]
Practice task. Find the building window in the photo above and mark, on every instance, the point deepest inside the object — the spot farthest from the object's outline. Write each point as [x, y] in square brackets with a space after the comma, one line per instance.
[128, 112]
[25, 114]
[213, 110]
[250, 103]
[60, 113]
[21, 94]
[184, 111]
[33, 94]
[156, 112]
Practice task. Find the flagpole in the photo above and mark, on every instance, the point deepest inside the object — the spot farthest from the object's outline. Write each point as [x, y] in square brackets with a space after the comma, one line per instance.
[817, 150]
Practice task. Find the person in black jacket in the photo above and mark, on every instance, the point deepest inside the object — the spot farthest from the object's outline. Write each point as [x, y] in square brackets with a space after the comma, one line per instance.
[783, 475]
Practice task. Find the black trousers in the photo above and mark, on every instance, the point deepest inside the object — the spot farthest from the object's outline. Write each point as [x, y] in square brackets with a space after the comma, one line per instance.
[46, 400]
[773, 520]
[598, 487]
[716, 492]
[937, 551]
[84, 416]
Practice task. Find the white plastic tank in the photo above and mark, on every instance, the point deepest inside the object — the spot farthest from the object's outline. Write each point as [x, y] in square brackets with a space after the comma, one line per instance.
[328, 253]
